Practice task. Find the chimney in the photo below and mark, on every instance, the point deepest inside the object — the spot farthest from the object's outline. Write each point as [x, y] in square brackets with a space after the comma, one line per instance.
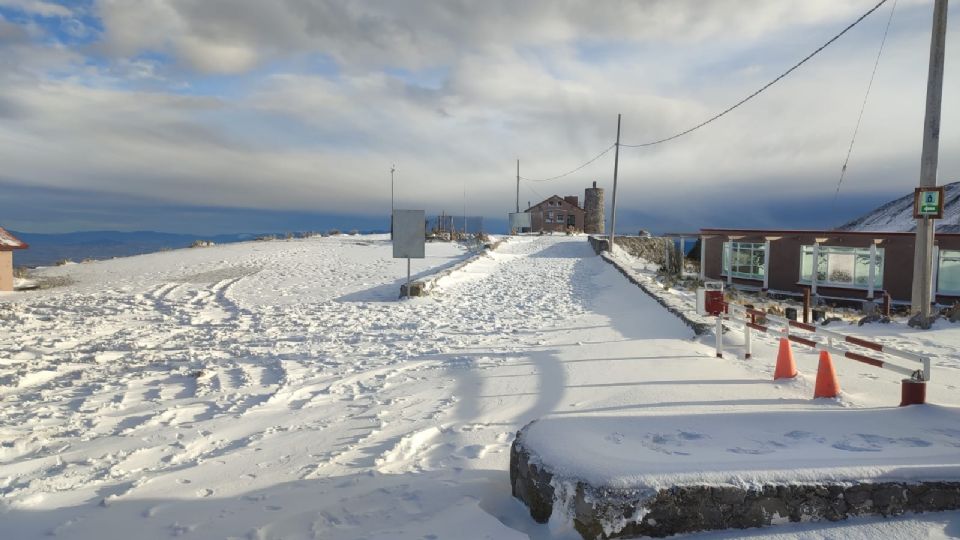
[594, 184]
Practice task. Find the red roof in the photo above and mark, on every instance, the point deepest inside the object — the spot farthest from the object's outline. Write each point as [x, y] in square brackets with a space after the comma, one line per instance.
[10, 242]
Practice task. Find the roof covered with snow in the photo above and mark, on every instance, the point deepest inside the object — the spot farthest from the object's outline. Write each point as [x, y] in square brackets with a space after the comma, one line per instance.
[9, 241]
[897, 215]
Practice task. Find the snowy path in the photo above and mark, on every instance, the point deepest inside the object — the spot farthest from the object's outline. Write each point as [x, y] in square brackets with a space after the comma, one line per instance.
[277, 390]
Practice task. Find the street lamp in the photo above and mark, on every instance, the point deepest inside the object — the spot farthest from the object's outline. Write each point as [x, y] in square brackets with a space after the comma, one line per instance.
[393, 168]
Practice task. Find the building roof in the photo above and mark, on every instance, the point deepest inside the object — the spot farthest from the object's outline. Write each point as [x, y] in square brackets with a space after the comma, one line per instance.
[10, 242]
[811, 232]
[559, 198]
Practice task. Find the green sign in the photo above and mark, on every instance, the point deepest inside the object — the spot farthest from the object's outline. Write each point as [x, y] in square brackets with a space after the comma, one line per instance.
[929, 203]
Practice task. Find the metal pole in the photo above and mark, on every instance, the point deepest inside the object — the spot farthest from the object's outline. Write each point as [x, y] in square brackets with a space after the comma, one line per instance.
[613, 209]
[518, 186]
[408, 277]
[923, 249]
[392, 169]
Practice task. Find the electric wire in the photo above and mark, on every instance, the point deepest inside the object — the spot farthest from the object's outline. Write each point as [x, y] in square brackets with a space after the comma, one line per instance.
[568, 173]
[863, 106]
[735, 105]
[764, 87]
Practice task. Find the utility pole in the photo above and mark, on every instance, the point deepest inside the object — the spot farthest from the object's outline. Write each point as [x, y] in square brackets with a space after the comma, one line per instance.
[518, 186]
[616, 165]
[926, 228]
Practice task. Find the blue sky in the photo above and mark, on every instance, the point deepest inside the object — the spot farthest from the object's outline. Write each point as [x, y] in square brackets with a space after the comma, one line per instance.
[214, 116]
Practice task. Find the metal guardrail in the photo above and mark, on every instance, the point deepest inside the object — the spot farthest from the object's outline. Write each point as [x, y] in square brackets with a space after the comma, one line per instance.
[749, 321]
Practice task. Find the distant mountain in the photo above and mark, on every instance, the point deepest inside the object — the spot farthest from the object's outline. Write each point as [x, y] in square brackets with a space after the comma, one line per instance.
[47, 249]
[897, 215]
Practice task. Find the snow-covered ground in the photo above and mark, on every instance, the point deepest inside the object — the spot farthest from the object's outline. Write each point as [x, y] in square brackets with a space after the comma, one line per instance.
[279, 390]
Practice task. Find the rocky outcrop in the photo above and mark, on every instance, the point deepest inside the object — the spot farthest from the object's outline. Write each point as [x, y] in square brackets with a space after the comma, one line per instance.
[603, 512]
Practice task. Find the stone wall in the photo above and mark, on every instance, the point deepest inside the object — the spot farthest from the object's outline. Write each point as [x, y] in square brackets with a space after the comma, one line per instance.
[602, 512]
[593, 221]
[652, 249]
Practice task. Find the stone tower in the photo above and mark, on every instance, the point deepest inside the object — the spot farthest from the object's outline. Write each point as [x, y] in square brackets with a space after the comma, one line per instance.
[593, 220]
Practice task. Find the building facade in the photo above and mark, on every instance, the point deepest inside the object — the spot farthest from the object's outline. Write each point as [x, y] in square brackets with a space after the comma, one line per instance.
[8, 243]
[849, 265]
[556, 214]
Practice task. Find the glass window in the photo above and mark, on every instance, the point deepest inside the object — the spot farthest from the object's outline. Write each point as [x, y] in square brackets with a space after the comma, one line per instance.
[745, 260]
[550, 216]
[948, 275]
[841, 266]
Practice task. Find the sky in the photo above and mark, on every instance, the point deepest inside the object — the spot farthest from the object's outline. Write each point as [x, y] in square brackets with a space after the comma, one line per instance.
[217, 116]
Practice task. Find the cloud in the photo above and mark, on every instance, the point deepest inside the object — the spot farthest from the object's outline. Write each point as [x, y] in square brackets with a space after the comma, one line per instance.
[212, 36]
[38, 7]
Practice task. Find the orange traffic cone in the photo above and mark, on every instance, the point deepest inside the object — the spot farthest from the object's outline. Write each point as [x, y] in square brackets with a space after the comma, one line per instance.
[827, 384]
[786, 367]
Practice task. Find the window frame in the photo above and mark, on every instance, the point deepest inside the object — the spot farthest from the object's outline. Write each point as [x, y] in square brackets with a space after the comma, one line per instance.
[736, 248]
[824, 253]
[951, 255]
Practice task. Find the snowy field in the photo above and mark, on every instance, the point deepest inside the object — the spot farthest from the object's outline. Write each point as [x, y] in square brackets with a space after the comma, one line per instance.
[279, 390]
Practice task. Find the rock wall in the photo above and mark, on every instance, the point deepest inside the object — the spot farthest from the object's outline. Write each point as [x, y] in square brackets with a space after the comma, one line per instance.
[651, 248]
[601, 512]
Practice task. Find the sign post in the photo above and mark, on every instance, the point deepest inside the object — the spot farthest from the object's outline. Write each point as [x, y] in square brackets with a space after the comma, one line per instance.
[409, 237]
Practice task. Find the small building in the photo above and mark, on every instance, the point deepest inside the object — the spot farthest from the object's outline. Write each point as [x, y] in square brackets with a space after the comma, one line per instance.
[8, 243]
[556, 214]
[849, 265]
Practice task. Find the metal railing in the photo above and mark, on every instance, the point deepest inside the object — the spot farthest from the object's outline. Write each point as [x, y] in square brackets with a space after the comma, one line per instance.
[751, 316]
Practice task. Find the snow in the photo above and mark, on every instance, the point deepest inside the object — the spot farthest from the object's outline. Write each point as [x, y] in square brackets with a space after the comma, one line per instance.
[897, 215]
[280, 389]
[753, 448]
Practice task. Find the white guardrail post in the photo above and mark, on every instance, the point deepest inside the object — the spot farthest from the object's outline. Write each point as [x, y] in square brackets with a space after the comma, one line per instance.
[747, 346]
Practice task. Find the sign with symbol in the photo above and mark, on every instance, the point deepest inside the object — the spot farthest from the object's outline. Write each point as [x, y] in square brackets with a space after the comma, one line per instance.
[928, 202]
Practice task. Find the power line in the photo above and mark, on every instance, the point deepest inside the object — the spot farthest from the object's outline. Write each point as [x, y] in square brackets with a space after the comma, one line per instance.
[568, 173]
[764, 87]
[863, 106]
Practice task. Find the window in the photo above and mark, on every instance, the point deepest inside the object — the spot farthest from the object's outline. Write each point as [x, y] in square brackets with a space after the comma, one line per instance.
[550, 216]
[841, 266]
[560, 218]
[747, 260]
[948, 276]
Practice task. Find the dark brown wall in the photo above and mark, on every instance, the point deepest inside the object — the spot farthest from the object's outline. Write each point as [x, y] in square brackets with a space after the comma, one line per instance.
[539, 212]
[784, 271]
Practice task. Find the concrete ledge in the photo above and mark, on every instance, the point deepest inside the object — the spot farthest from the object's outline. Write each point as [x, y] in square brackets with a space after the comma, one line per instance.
[422, 287]
[607, 476]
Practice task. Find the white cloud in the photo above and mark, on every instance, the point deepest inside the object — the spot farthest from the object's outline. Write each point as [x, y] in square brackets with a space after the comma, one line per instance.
[542, 81]
[38, 7]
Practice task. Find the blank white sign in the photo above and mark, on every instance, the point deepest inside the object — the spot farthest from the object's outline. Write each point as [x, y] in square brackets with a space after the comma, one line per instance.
[519, 221]
[409, 234]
